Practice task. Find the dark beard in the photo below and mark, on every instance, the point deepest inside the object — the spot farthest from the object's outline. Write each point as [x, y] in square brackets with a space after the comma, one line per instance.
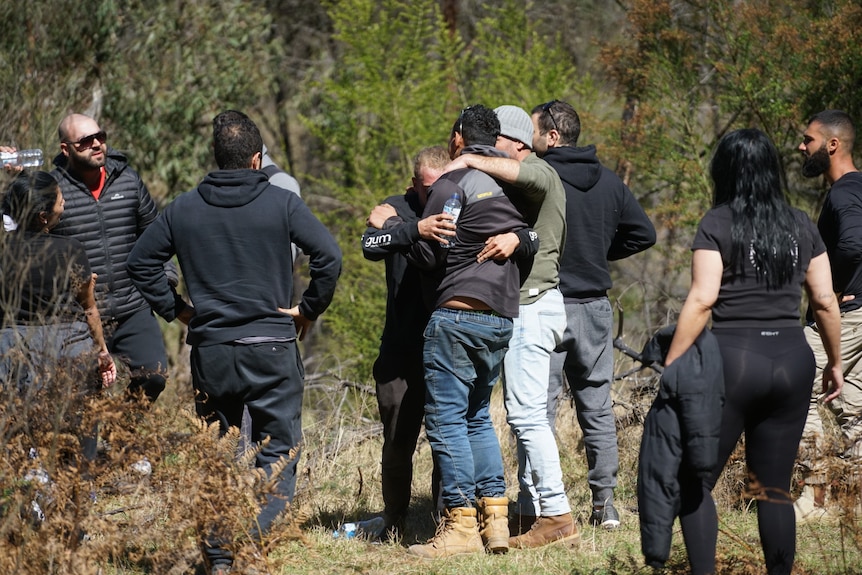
[815, 164]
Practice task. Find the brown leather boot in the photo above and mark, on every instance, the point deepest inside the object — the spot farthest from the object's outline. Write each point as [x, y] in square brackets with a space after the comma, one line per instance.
[559, 529]
[494, 523]
[457, 533]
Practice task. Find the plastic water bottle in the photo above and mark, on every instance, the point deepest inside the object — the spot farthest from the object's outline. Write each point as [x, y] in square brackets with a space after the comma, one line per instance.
[142, 467]
[23, 158]
[39, 477]
[345, 531]
[453, 207]
[370, 529]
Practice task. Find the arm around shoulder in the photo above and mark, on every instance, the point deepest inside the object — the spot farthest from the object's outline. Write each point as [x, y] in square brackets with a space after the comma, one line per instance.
[499, 168]
[536, 178]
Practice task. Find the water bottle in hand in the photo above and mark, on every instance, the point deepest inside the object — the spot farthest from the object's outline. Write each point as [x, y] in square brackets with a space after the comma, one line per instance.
[22, 158]
[452, 207]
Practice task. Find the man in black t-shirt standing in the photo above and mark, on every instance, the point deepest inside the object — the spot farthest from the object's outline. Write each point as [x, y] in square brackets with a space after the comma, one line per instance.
[827, 149]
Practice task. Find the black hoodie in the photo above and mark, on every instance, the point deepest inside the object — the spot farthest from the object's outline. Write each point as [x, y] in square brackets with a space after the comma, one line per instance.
[232, 237]
[603, 220]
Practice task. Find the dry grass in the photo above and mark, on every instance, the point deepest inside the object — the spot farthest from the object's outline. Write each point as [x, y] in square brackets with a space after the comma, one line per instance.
[111, 514]
[137, 524]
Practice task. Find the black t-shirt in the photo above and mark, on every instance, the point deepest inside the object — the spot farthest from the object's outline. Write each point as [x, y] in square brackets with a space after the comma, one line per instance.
[743, 299]
[840, 226]
[41, 277]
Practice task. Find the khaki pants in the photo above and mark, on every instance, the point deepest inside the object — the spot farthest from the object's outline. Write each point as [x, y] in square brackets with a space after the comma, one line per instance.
[847, 408]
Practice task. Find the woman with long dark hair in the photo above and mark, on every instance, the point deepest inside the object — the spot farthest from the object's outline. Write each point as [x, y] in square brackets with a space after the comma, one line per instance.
[753, 253]
[47, 290]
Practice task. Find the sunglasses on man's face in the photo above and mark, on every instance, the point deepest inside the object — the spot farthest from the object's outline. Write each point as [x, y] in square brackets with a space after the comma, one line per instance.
[87, 141]
[547, 108]
[461, 120]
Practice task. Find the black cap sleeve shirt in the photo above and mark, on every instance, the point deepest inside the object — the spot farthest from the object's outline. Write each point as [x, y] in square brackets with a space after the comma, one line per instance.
[743, 299]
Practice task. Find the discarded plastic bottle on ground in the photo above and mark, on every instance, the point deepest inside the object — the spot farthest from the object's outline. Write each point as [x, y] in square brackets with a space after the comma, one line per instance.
[39, 477]
[37, 474]
[23, 158]
[345, 531]
[142, 466]
[370, 529]
[453, 207]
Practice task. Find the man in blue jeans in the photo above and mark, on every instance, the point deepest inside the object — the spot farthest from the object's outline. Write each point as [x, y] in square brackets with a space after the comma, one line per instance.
[236, 249]
[542, 514]
[465, 341]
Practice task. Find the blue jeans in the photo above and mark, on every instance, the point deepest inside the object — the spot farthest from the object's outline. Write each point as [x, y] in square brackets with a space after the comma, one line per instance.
[463, 355]
[538, 330]
[586, 355]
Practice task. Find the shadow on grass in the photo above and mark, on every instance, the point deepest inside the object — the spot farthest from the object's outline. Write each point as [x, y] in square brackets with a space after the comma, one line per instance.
[419, 525]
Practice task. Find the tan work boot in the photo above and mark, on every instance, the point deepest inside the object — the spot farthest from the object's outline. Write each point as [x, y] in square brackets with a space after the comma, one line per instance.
[559, 529]
[457, 533]
[811, 507]
[494, 523]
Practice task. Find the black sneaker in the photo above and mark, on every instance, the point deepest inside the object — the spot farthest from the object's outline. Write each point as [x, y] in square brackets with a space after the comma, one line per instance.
[373, 529]
[606, 517]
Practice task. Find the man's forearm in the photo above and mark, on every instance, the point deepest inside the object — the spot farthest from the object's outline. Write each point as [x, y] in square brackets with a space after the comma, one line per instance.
[503, 169]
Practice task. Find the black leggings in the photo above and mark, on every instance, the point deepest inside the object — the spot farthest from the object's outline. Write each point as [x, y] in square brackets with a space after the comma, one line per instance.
[768, 375]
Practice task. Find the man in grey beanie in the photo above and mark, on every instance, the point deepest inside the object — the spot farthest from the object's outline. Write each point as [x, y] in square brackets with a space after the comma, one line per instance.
[543, 513]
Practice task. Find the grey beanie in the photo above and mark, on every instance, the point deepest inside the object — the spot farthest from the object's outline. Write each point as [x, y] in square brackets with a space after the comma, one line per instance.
[516, 124]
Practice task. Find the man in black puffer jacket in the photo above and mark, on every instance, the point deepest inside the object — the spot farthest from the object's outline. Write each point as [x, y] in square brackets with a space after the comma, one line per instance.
[107, 209]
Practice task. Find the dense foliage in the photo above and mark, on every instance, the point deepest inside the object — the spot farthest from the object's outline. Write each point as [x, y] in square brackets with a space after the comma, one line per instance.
[346, 91]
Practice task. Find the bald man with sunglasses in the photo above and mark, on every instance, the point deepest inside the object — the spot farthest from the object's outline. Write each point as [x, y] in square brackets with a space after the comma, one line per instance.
[107, 208]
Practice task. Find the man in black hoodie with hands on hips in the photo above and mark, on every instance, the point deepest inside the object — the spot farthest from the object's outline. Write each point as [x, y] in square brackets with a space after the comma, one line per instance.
[232, 237]
[604, 223]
